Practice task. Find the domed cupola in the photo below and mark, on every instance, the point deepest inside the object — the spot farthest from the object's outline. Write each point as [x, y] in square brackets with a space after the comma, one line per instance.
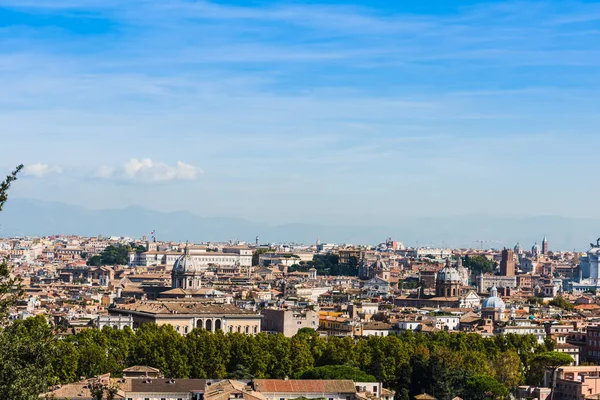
[448, 281]
[536, 250]
[493, 307]
[187, 272]
[518, 249]
[186, 263]
[448, 274]
[494, 301]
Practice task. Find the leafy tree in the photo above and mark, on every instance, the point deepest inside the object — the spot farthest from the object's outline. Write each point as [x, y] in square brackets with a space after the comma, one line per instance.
[95, 261]
[479, 264]
[163, 348]
[98, 389]
[563, 303]
[26, 347]
[256, 255]
[26, 353]
[483, 387]
[65, 362]
[10, 286]
[507, 369]
[551, 360]
[111, 255]
[301, 356]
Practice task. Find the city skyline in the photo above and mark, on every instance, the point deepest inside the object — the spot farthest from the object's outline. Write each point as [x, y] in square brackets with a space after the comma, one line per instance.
[309, 112]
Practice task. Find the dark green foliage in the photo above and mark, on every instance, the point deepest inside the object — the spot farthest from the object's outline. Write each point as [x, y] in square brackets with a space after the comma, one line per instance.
[546, 359]
[112, 255]
[561, 302]
[479, 264]
[442, 364]
[329, 264]
[256, 255]
[482, 387]
[26, 355]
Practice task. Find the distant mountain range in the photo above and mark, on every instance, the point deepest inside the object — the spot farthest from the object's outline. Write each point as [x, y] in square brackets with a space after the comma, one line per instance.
[38, 218]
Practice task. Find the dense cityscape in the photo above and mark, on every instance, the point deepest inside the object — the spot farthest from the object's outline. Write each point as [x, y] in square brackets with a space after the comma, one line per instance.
[151, 318]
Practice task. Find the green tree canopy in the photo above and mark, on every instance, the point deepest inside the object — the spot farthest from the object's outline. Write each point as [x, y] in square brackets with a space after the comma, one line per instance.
[563, 303]
[479, 264]
[112, 255]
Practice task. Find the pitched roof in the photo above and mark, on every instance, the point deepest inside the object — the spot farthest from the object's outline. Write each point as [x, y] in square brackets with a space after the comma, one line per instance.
[141, 368]
[166, 385]
[304, 386]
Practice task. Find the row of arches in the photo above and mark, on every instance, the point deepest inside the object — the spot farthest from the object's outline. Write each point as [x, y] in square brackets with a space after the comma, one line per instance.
[218, 325]
[208, 324]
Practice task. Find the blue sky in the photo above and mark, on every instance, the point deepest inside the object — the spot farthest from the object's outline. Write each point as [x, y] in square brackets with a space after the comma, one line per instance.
[304, 111]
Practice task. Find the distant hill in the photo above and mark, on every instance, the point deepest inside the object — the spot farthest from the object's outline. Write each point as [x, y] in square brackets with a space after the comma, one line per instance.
[33, 217]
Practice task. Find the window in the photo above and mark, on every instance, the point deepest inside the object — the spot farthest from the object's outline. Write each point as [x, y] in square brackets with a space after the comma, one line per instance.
[375, 389]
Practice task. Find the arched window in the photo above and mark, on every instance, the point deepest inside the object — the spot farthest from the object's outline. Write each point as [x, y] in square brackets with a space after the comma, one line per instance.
[239, 329]
[231, 329]
[209, 325]
[199, 324]
[255, 330]
[247, 329]
[218, 325]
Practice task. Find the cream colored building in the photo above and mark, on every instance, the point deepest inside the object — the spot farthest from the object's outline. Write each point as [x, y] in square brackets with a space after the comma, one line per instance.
[185, 315]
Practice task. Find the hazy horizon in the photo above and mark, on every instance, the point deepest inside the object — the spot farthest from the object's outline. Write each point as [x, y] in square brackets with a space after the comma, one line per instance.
[38, 218]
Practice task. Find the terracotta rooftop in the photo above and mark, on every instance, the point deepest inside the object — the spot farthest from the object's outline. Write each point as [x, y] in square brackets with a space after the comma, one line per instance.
[304, 386]
[166, 307]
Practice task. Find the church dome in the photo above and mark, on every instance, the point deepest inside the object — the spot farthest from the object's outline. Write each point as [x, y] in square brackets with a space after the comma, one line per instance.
[518, 249]
[494, 301]
[187, 264]
[448, 274]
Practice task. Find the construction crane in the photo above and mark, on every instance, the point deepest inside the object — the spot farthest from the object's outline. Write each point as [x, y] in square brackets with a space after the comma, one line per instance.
[481, 242]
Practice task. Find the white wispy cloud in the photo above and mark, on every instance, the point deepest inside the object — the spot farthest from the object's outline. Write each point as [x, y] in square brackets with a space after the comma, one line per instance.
[147, 170]
[39, 170]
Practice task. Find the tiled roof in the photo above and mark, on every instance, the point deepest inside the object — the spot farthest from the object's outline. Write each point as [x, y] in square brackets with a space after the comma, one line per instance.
[304, 386]
[166, 307]
[166, 385]
[141, 368]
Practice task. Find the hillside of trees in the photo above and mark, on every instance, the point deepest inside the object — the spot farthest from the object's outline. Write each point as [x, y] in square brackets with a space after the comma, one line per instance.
[442, 364]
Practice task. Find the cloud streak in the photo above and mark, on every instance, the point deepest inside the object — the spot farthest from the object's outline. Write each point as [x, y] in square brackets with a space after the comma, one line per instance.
[148, 171]
[39, 170]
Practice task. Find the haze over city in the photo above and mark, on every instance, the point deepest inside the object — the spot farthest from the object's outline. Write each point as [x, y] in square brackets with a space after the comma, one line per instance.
[335, 113]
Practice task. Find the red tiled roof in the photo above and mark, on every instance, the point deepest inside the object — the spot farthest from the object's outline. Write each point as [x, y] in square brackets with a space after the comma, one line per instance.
[304, 386]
